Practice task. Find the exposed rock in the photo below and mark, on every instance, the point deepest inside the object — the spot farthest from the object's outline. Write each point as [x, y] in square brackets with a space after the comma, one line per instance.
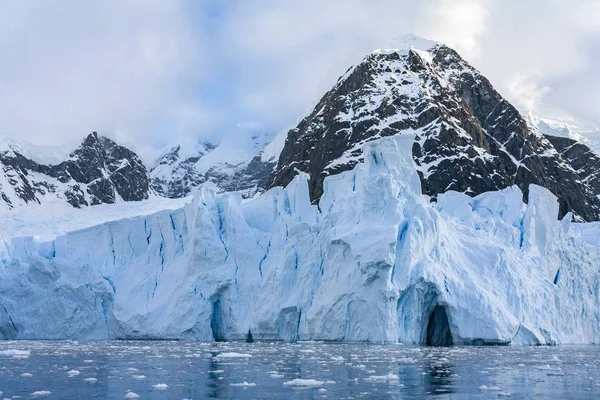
[98, 171]
[469, 138]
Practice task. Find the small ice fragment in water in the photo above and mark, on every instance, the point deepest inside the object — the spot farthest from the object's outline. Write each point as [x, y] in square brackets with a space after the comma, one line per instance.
[160, 386]
[243, 384]
[90, 380]
[26, 375]
[490, 388]
[73, 373]
[41, 393]
[15, 353]
[383, 378]
[233, 355]
[132, 395]
[139, 377]
[304, 383]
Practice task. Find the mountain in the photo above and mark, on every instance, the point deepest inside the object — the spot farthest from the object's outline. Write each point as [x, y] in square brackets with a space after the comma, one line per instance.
[357, 251]
[98, 171]
[581, 131]
[469, 138]
[375, 262]
[224, 167]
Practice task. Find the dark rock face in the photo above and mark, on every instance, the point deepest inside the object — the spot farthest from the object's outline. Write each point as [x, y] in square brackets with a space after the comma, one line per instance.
[468, 138]
[98, 171]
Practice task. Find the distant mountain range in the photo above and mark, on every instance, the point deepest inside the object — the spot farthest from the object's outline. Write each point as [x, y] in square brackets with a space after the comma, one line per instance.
[469, 139]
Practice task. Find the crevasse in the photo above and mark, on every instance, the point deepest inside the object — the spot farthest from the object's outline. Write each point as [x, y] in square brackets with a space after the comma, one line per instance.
[376, 261]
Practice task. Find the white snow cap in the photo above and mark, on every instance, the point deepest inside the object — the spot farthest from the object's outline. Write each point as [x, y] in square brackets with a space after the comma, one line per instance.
[408, 42]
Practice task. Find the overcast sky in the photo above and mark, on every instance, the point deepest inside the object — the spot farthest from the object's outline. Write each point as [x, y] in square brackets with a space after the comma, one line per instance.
[152, 72]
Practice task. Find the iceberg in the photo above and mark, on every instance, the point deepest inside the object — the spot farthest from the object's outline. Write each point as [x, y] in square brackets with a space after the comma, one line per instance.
[375, 261]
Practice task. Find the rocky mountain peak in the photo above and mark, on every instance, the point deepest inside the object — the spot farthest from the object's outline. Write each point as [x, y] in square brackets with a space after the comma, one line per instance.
[97, 171]
[468, 137]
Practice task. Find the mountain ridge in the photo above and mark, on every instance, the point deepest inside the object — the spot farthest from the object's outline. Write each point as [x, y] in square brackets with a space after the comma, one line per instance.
[469, 138]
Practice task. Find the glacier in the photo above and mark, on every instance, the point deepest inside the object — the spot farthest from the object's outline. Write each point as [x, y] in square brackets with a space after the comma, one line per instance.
[375, 261]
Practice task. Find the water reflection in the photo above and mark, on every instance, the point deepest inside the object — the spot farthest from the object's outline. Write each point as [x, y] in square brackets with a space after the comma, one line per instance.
[440, 375]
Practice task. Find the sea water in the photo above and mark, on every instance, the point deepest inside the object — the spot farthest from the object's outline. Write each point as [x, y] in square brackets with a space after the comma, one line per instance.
[190, 370]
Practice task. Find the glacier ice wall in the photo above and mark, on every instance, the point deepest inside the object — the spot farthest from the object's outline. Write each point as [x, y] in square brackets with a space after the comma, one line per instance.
[371, 263]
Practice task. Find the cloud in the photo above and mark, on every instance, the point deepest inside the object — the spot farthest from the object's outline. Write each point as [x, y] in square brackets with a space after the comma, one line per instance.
[70, 67]
[155, 72]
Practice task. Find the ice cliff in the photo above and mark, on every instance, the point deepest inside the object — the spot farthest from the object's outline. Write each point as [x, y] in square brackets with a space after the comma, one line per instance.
[376, 261]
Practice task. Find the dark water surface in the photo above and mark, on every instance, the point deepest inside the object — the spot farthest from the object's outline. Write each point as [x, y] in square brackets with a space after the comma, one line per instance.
[187, 370]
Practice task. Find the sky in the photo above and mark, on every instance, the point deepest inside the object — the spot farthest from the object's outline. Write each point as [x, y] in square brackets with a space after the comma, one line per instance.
[151, 73]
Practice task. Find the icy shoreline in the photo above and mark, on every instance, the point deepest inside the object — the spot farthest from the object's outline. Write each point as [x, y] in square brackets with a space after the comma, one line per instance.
[376, 262]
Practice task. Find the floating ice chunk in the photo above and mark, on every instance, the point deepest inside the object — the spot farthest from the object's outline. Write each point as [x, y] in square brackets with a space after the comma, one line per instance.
[276, 376]
[233, 355]
[26, 375]
[490, 388]
[139, 377]
[339, 358]
[243, 384]
[132, 395]
[132, 369]
[383, 378]
[160, 386]
[90, 380]
[216, 371]
[322, 390]
[547, 367]
[15, 353]
[41, 393]
[305, 383]
[88, 361]
[73, 373]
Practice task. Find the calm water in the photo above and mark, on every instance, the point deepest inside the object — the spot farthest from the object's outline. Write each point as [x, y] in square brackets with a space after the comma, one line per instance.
[176, 370]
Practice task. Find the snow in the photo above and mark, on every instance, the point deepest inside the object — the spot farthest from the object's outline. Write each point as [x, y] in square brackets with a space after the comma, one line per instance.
[566, 126]
[272, 150]
[410, 41]
[49, 220]
[370, 264]
[46, 155]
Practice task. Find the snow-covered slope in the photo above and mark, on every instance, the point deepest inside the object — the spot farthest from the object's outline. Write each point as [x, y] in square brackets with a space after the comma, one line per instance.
[377, 261]
[469, 138]
[98, 171]
[589, 136]
[229, 166]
